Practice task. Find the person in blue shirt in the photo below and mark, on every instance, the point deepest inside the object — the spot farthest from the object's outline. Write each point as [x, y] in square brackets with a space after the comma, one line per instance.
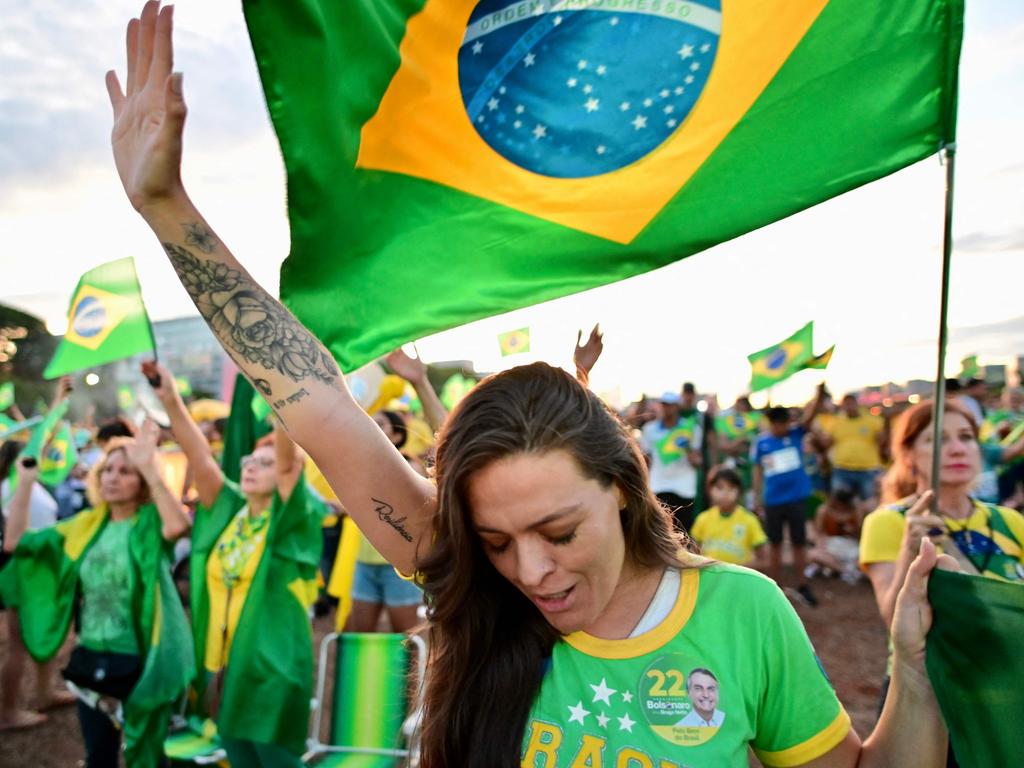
[782, 487]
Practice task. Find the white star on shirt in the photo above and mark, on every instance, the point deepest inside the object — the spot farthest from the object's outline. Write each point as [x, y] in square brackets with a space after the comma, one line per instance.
[477, 47]
[578, 713]
[492, 104]
[627, 697]
[639, 122]
[529, 59]
[625, 723]
[685, 52]
[591, 105]
[602, 720]
[603, 693]
[540, 131]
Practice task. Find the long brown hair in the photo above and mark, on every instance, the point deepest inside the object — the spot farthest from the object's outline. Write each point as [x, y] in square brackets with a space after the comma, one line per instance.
[487, 641]
[901, 479]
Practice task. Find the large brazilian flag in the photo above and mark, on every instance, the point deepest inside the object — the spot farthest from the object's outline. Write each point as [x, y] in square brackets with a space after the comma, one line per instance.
[449, 159]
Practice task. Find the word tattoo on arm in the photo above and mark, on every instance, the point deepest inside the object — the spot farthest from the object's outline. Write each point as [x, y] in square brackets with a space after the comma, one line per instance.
[386, 514]
[253, 325]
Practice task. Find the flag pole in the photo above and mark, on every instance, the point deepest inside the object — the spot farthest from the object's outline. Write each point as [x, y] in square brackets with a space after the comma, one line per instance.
[947, 156]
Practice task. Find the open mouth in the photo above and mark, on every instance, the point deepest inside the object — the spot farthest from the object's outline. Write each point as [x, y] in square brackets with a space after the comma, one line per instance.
[555, 601]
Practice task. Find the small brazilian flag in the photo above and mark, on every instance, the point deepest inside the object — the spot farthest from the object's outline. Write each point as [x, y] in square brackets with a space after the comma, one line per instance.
[821, 361]
[107, 320]
[59, 458]
[780, 361]
[969, 367]
[514, 342]
[493, 154]
[6, 395]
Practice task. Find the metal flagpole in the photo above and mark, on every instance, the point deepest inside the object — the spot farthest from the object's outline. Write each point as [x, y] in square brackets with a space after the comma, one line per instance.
[947, 156]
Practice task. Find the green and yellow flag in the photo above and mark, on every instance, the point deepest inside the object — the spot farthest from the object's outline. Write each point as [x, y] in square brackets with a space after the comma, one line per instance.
[6, 395]
[821, 361]
[107, 320]
[59, 457]
[495, 154]
[514, 342]
[969, 367]
[780, 361]
[976, 665]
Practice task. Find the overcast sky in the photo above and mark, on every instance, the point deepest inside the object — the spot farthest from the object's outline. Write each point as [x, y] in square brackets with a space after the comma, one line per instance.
[864, 267]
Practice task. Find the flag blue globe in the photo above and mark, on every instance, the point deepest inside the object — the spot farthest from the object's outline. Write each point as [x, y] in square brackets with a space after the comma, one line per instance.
[90, 317]
[579, 88]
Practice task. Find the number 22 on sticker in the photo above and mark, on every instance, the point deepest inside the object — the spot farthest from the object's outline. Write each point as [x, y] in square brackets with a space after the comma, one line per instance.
[658, 689]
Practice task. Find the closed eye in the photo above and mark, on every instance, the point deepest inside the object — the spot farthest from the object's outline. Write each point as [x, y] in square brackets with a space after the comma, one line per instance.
[564, 539]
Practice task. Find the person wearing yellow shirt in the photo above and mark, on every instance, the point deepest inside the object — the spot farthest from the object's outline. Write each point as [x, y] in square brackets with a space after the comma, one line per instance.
[984, 539]
[727, 531]
[854, 439]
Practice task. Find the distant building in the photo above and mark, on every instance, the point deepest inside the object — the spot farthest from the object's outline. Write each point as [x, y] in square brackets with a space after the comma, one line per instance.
[188, 347]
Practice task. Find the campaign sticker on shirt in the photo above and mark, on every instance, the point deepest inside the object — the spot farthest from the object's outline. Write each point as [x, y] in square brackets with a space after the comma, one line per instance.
[680, 700]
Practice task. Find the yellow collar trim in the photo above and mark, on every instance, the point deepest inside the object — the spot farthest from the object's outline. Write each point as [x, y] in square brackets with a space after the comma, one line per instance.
[632, 647]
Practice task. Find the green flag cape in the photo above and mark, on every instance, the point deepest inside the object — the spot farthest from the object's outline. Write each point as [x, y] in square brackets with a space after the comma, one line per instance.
[38, 439]
[976, 666]
[495, 154]
[107, 320]
[268, 680]
[41, 581]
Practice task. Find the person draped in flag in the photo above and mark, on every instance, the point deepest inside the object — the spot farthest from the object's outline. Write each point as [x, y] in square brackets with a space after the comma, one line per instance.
[565, 615]
[134, 653]
[255, 550]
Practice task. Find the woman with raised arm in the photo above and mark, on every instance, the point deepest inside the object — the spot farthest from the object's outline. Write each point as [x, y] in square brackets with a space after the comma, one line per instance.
[255, 549]
[112, 566]
[567, 624]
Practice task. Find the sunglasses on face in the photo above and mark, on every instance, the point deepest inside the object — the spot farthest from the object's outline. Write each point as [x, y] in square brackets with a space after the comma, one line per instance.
[261, 462]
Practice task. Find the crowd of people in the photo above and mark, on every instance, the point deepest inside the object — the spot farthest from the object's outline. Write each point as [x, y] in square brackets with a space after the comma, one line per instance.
[580, 570]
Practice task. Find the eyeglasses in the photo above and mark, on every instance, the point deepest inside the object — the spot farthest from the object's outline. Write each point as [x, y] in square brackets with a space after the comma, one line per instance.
[250, 461]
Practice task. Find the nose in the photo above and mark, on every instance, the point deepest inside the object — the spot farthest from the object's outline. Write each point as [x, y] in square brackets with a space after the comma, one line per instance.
[533, 564]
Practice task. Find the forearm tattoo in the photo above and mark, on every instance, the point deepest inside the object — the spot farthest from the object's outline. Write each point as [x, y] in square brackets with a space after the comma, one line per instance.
[250, 323]
[386, 514]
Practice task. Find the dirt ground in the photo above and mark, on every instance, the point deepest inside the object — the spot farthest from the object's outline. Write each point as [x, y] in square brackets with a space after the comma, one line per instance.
[845, 630]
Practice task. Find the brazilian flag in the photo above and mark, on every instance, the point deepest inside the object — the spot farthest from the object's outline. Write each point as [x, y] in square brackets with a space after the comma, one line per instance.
[59, 458]
[107, 320]
[493, 154]
[514, 342]
[780, 361]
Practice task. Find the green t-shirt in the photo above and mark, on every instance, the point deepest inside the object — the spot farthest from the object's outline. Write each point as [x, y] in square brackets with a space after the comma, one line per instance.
[730, 666]
[105, 579]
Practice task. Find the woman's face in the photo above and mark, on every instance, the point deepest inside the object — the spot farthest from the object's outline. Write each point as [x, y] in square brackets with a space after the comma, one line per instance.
[258, 471]
[960, 459]
[552, 532]
[119, 480]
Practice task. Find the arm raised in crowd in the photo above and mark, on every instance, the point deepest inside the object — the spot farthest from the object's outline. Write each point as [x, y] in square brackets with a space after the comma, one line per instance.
[392, 504]
[16, 524]
[414, 370]
[206, 474]
[141, 451]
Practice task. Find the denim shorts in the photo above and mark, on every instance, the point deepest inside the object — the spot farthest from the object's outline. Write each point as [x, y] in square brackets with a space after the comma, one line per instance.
[379, 584]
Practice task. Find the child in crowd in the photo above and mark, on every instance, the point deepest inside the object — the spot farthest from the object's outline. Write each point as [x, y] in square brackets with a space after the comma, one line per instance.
[837, 537]
[727, 531]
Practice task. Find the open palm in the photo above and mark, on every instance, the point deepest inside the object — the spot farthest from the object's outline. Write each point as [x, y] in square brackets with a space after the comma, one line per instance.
[149, 114]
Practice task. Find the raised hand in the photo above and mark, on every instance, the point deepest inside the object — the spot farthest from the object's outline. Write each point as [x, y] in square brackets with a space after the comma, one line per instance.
[586, 355]
[27, 471]
[141, 450]
[64, 388]
[412, 369]
[166, 390]
[149, 114]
